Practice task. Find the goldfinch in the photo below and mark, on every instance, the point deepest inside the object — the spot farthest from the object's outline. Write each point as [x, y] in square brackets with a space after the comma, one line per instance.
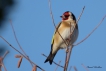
[67, 26]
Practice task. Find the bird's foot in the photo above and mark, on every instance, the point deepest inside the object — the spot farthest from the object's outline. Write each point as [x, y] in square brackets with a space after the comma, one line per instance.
[67, 50]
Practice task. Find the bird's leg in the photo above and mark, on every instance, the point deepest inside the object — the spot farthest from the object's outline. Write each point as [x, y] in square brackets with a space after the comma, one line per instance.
[67, 49]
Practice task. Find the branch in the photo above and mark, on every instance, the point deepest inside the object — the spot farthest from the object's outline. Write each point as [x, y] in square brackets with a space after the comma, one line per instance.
[91, 31]
[18, 41]
[70, 49]
[85, 67]
[70, 68]
[20, 61]
[18, 56]
[1, 61]
[76, 24]
[5, 54]
[34, 68]
[75, 68]
[57, 65]
[20, 53]
[16, 38]
[67, 58]
[4, 67]
[54, 22]
[67, 55]
[81, 14]
[53, 61]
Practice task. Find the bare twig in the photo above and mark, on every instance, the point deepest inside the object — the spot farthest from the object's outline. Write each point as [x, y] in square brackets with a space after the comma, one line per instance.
[34, 68]
[70, 49]
[81, 14]
[67, 58]
[55, 27]
[54, 22]
[1, 61]
[5, 54]
[19, 63]
[91, 31]
[16, 38]
[67, 55]
[54, 62]
[20, 59]
[75, 25]
[0, 67]
[4, 67]
[57, 65]
[85, 67]
[70, 68]
[18, 41]
[75, 68]
[20, 53]
[18, 56]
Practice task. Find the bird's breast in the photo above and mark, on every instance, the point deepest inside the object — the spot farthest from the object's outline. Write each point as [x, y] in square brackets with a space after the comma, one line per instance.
[65, 33]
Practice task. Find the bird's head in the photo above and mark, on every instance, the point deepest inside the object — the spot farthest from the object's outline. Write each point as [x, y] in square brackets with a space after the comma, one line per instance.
[68, 16]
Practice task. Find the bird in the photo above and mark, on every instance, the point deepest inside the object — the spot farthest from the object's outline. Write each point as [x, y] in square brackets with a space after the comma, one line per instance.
[66, 31]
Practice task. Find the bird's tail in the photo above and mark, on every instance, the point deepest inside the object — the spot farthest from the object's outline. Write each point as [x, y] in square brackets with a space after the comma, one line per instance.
[50, 58]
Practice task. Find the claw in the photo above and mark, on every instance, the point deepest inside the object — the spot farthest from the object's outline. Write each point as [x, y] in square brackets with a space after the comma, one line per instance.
[67, 50]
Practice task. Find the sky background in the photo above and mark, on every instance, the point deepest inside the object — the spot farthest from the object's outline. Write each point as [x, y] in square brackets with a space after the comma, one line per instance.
[34, 29]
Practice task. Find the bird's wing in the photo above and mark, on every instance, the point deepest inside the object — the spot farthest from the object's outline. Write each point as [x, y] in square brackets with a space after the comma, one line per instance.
[76, 26]
[52, 54]
[55, 32]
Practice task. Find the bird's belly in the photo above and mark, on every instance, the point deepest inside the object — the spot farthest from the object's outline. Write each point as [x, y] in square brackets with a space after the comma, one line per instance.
[66, 35]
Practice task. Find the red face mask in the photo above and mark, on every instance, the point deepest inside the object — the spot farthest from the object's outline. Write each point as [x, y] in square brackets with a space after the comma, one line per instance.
[65, 16]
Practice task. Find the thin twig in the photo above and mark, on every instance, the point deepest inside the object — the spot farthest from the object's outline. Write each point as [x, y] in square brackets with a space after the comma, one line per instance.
[20, 61]
[85, 67]
[20, 53]
[81, 14]
[70, 49]
[70, 68]
[16, 38]
[75, 68]
[71, 46]
[67, 59]
[0, 67]
[91, 31]
[55, 26]
[18, 41]
[34, 68]
[54, 22]
[5, 54]
[4, 67]
[67, 55]
[53, 61]
[57, 65]
[1, 59]
[18, 56]
[76, 24]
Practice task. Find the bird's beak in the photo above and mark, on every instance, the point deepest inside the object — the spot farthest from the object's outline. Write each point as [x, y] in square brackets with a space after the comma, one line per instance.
[62, 16]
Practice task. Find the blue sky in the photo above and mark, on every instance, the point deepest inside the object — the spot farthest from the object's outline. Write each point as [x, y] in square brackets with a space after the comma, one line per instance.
[34, 29]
